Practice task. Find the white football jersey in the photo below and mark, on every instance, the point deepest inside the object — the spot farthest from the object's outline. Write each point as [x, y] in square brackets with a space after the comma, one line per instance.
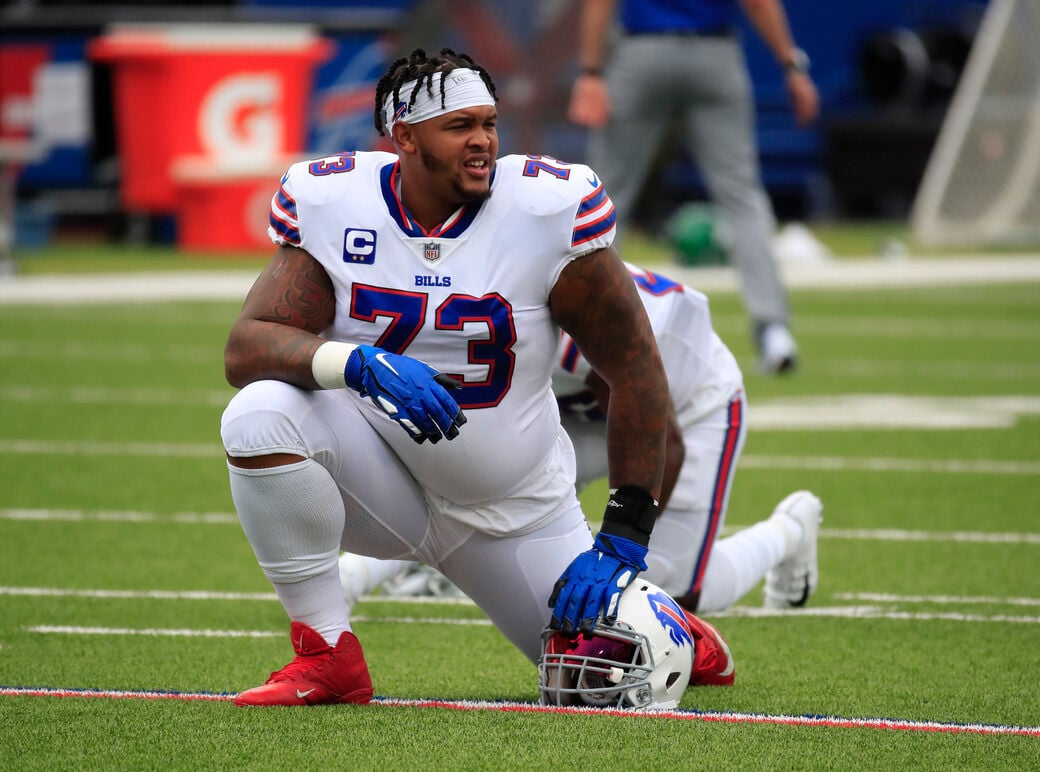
[702, 372]
[470, 298]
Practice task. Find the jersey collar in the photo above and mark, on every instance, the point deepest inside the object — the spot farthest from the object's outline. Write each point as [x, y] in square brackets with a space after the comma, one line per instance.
[451, 228]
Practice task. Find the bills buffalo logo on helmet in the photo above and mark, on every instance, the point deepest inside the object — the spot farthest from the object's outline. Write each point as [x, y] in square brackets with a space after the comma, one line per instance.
[671, 618]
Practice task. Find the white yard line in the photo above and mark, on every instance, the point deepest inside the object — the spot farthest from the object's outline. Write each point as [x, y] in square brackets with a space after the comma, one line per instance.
[877, 273]
[206, 595]
[890, 411]
[873, 598]
[126, 288]
[746, 612]
[874, 612]
[845, 273]
[209, 595]
[229, 518]
[833, 412]
[163, 632]
[914, 465]
[894, 534]
[152, 631]
[988, 600]
[814, 463]
[120, 516]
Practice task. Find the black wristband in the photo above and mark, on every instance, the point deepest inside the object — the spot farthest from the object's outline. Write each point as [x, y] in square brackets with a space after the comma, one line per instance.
[631, 513]
[592, 72]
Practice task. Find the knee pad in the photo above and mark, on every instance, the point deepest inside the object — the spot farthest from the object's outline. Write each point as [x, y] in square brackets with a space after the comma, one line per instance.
[266, 417]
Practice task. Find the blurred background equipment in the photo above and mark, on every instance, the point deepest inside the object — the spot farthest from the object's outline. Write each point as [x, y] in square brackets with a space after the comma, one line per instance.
[698, 236]
[982, 184]
[306, 90]
[907, 68]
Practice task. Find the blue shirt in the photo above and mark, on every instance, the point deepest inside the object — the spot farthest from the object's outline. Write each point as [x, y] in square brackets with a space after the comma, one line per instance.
[656, 16]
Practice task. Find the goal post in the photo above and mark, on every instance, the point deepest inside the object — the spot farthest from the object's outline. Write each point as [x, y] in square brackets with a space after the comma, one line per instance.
[981, 186]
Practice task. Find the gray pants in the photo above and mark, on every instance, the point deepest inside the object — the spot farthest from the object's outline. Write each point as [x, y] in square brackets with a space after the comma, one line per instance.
[703, 82]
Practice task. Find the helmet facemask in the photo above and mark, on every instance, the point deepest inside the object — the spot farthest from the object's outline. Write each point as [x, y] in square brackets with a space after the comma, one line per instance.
[610, 669]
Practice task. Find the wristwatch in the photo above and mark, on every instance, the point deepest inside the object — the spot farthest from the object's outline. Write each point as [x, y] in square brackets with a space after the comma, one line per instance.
[798, 61]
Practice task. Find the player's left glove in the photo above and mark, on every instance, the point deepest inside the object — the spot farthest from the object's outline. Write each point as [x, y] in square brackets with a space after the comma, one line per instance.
[590, 587]
[408, 390]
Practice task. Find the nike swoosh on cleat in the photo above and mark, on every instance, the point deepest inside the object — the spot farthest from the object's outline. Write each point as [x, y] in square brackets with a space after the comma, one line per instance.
[300, 695]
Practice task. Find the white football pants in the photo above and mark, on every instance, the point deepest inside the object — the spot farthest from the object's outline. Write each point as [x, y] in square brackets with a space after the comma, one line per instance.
[353, 493]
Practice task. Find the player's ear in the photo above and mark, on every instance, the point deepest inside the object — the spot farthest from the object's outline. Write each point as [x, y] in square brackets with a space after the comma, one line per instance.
[404, 137]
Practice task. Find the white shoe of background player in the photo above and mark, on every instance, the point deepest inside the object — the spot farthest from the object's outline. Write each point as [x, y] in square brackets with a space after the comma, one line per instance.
[418, 581]
[778, 352]
[360, 575]
[794, 580]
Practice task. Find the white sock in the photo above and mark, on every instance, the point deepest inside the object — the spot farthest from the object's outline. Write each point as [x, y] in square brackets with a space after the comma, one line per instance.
[293, 517]
[741, 561]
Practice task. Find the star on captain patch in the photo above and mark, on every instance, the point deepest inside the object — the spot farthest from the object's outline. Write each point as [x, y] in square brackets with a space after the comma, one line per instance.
[431, 251]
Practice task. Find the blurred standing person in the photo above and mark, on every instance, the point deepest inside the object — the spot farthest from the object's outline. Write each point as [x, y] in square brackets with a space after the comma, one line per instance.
[683, 59]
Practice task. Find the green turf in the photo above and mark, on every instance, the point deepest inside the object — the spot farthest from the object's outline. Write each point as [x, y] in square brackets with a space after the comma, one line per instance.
[110, 414]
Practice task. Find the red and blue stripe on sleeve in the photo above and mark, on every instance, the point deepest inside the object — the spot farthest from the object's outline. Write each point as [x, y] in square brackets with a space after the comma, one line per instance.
[595, 217]
[284, 219]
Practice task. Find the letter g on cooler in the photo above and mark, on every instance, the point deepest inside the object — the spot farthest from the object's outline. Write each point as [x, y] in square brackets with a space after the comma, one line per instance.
[359, 246]
[240, 120]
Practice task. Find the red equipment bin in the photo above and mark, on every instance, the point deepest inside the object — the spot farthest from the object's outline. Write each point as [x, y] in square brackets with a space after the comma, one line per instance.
[225, 208]
[236, 94]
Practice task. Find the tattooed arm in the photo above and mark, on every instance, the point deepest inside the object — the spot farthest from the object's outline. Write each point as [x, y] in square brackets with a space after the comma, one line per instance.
[276, 333]
[595, 301]
[675, 449]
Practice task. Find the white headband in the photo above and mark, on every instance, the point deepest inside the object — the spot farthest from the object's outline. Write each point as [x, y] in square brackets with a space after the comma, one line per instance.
[462, 88]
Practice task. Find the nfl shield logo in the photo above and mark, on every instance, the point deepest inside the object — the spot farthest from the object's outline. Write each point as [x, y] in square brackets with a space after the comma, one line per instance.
[431, 251]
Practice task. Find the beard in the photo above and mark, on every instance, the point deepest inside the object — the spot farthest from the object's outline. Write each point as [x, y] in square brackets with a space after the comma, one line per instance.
[463, 194]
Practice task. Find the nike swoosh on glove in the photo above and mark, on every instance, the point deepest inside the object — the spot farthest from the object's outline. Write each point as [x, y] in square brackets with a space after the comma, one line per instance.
[408, 390]
[592, 584]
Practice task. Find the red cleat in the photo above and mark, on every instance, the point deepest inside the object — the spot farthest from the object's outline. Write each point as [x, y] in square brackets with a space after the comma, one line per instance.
[318, 675]
[712, 662]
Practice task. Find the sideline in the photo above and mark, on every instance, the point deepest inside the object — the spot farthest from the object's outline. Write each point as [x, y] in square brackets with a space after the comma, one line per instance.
[842, 273]
[688, 714]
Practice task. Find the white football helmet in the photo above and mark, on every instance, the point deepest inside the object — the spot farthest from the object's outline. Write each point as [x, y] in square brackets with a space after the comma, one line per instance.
[641, 661]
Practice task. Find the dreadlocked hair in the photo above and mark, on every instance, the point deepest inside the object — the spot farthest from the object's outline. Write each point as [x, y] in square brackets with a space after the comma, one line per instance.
[421, 68]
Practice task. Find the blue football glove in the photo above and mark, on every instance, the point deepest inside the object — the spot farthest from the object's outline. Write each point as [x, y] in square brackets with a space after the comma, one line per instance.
[408, 390]
[591, 586]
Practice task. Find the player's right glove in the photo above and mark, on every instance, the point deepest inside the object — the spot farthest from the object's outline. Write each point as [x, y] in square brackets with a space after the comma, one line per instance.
[408, 390]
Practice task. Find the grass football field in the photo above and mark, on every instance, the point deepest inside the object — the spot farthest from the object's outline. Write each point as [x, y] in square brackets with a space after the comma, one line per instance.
[131, 606]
